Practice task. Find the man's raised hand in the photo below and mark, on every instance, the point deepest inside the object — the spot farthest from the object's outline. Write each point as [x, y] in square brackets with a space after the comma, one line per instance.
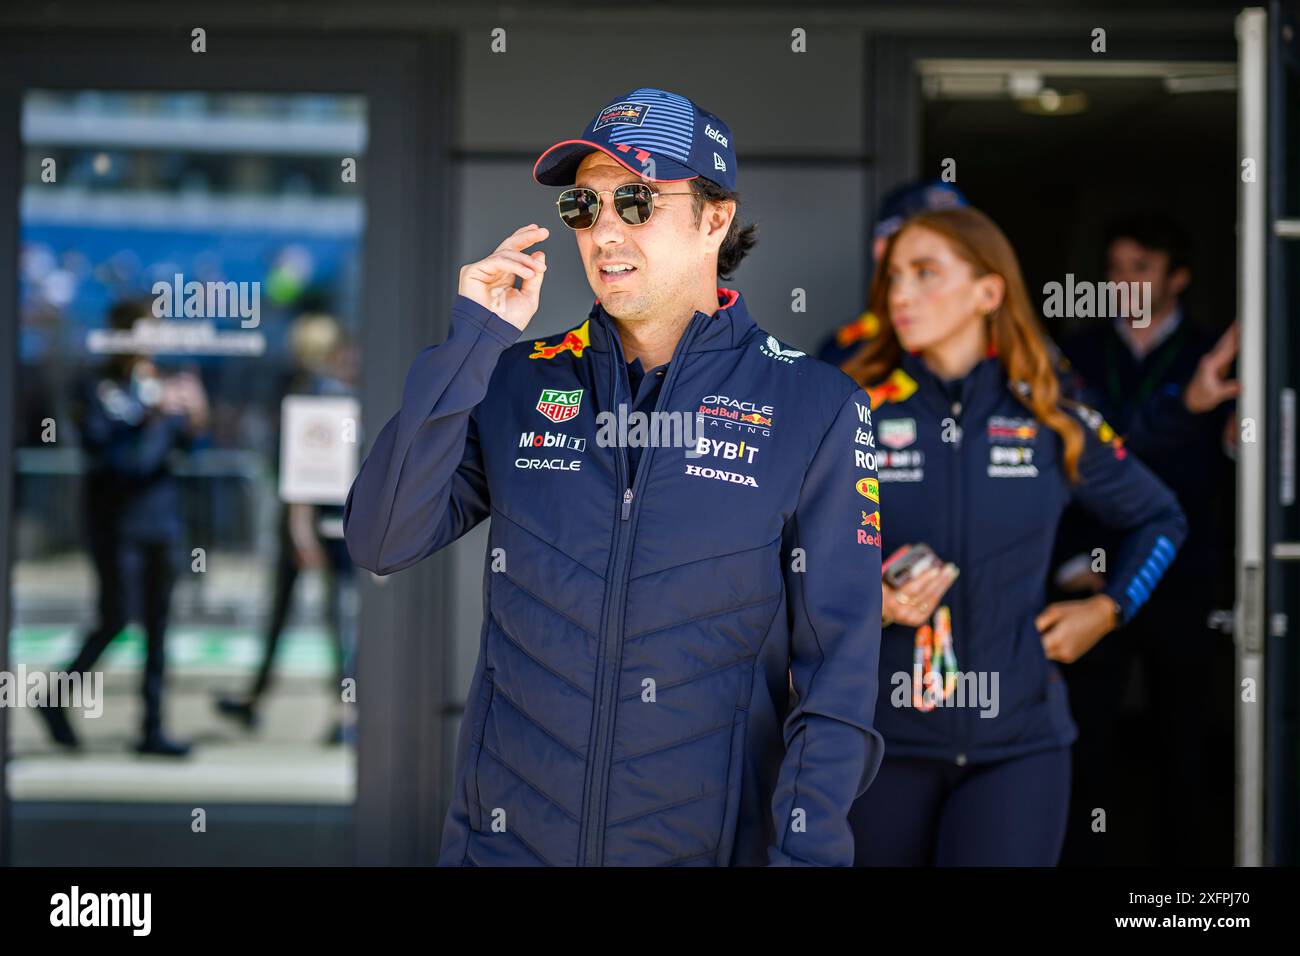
[491, 281]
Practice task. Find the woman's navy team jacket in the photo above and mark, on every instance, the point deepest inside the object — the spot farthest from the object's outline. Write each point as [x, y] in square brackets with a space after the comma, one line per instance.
[965, 468]
[631, 703]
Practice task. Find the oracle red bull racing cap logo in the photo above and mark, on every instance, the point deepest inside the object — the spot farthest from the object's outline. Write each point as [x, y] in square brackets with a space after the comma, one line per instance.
[559, 405]
[625, 112]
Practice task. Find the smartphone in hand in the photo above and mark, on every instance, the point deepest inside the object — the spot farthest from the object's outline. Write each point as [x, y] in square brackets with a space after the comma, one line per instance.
[913, 560]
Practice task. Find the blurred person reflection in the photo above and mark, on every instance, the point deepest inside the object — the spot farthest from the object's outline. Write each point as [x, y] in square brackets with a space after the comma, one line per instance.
[1165, 385]
[132, 417]
[310, 536]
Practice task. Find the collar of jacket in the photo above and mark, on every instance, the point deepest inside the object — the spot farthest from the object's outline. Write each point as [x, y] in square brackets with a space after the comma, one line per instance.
[725, 329]
[979, 390]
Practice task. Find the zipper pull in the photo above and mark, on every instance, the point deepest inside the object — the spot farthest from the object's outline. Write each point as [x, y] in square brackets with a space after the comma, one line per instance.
[627, 504]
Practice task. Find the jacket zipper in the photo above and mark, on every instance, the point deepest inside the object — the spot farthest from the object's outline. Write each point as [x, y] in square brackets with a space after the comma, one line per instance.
[591, 844]
[960, 527]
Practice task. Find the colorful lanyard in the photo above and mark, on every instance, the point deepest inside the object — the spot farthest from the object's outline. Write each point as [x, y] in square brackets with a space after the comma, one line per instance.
[933, 648]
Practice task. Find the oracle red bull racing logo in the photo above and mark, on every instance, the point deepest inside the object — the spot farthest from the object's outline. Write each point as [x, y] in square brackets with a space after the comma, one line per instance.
[736, 413]
[559, 405]
[633, 113]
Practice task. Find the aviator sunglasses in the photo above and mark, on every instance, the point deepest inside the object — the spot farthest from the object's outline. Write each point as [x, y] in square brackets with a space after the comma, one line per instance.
[634, 202]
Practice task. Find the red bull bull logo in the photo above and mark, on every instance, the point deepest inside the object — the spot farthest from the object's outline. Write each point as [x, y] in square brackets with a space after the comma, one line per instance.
[870, 521]
[897, 388]
[756, 419]
[575, 340]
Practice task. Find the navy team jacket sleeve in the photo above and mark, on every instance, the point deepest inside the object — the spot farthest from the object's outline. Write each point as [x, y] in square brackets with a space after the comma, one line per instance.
[422, 485]
[832, 749]
[133, 450]
[1122, 493]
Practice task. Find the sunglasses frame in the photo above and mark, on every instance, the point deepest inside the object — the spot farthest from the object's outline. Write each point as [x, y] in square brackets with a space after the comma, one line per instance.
[600, 203]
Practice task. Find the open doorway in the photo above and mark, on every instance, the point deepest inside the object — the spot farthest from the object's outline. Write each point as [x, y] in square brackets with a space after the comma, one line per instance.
[1057, 153]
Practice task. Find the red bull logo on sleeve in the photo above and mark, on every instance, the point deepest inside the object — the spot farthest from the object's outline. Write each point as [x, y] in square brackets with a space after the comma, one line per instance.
[559, 405]
[575, 340]
[870, 521]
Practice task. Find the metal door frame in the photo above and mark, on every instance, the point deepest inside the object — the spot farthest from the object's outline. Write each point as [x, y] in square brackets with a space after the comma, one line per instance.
[407, 264]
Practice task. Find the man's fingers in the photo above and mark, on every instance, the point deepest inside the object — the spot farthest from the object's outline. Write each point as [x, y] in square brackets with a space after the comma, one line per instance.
[523, 237]
[523, 259]
[1225, 350]
[532, 286]
[492, 268]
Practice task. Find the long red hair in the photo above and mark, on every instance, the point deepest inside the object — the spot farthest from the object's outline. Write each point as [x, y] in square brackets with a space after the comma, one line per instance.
[1013, 328]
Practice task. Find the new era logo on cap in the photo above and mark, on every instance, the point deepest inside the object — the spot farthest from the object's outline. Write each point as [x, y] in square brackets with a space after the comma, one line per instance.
[660, 135]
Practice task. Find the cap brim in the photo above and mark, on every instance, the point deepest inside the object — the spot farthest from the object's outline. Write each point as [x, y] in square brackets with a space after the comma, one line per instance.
[558, 166]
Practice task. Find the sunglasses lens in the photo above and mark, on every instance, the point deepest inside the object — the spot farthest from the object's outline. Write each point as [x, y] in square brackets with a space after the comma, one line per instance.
[633, 203]
[578, 207]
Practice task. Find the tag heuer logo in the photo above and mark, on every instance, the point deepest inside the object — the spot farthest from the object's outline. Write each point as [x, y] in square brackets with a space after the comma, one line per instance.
[896, 432]
[558, 405]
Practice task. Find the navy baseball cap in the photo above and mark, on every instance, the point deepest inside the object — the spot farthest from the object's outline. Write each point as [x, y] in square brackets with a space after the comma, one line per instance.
[911, 199]
[656, 134]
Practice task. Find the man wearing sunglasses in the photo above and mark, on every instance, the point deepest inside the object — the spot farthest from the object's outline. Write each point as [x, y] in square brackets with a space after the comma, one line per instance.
[649, 599]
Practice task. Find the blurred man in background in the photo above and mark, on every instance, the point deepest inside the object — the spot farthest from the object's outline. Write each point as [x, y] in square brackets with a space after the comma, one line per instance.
[1163, 384]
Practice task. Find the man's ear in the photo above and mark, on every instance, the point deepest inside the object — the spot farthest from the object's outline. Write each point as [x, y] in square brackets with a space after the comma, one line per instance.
[718, 218]
[1179, 280]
